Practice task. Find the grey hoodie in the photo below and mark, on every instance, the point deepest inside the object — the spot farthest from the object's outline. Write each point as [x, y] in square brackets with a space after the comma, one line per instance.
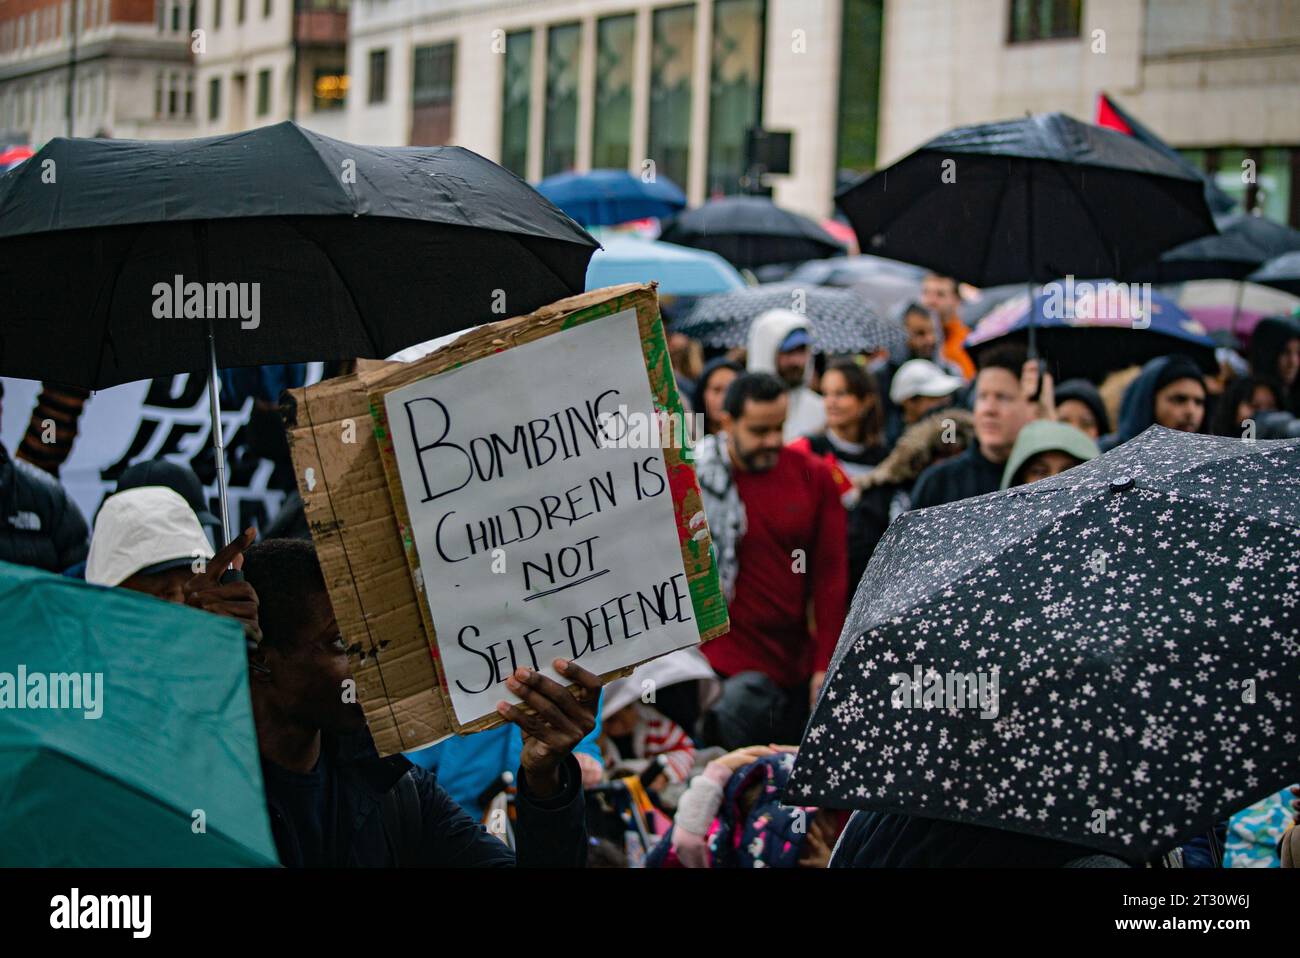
[806, 414]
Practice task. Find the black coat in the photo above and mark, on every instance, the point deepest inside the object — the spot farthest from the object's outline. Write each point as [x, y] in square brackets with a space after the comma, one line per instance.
[963, 476]
[549, 834]
[39, 525]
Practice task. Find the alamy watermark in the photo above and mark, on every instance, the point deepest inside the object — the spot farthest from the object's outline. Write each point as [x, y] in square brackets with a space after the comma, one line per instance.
[1112, 302]
[181, 300]
[82, 691]
[933, 689]
[632, 429]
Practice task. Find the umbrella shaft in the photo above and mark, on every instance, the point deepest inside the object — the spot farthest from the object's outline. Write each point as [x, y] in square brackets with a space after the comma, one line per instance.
[218, 444]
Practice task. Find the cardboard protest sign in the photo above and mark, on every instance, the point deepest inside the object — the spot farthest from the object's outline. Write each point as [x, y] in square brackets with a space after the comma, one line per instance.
[541, 517]
[396, 638]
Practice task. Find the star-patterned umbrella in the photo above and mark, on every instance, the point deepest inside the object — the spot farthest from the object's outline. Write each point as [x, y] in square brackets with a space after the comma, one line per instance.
[1108, 657]
[839, 321]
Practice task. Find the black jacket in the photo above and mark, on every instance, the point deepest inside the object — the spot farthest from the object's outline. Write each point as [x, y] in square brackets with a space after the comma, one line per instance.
[549, 834]
[961, 477]
[39, 525]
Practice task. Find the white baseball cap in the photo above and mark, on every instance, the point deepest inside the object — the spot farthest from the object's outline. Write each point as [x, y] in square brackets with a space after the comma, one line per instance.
[921, 377]
[147, 530]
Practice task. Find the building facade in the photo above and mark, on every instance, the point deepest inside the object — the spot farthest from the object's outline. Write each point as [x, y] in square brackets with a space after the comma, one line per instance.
[127, 64]
[552, 85]
[1219, 79]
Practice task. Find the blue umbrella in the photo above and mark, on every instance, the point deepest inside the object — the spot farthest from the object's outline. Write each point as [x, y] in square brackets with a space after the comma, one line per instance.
[1088, 328]
[679, 270]
[606, 197]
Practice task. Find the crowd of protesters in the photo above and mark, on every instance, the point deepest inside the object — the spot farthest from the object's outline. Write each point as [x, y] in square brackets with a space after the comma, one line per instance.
[806, 461]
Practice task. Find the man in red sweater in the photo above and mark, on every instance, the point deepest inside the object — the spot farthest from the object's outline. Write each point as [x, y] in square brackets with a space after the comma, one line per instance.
[779, 531]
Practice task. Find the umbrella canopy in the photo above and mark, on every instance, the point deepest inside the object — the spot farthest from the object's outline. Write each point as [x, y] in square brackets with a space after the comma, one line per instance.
[1091, 328]
[1280, 272]
[750, 231]
[607, 197]
[173, 735]
[1244, 243]
[1138, 616]
[838, 321]
[679, 270]
[336, 251]
[1027, 199]
[1234, 306]
[846, 271]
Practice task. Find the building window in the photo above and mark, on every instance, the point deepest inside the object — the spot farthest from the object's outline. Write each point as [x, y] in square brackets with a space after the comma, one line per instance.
[611, 129]
[189, 96]
[266, 8]
[433, 91]
[735, 90]
[173, 96]
[859, 95]
[1044, 20]
[563, 50]
[263, 92]
[240, 10]
[377, 78]
[516, 101]
[194, 16]
[176, 18]
[158, 95]
[672, 64]
[214, 98]
[1277, 172]
[216, 14]
[329, 88]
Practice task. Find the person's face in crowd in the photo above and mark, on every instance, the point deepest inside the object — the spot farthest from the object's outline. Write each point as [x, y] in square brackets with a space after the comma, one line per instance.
[921, 338]
[1077, 414]
[756, 437]
[679, 345]
[843, 409]
[1288, 362]
[623, 722]
[791, 364]
[304, 684]
[1000, 412]
[1181, 405]
[715, 390]
[1046, 464]
[939, 295]
[168, 586]
[916, 407]
[1261, 400]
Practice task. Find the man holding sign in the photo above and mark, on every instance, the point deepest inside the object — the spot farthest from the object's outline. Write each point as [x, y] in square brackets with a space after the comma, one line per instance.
[335, 803]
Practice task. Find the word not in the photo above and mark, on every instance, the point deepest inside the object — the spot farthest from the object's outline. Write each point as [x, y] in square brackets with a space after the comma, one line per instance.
[946, 690]
[103, 911]
[182, 300]
[55, 690]
[1101, 300]
[660, 429]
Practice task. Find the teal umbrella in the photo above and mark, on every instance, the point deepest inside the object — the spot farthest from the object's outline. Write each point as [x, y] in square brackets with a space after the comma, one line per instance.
[126, 735]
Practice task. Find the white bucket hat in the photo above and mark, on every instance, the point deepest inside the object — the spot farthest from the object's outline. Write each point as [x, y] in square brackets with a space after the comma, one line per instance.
[921, 377]
[146, 530]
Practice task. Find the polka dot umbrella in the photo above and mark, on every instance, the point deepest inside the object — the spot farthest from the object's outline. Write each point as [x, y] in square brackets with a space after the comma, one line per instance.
[839, 321]
[1108, 657]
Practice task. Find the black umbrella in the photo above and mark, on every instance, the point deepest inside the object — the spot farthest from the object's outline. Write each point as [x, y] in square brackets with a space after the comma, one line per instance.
[838, 321]
[750, 231]
[1280, 272]
[123, 260]
[1026, 201]
[1139, 614]
[1244, 243]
